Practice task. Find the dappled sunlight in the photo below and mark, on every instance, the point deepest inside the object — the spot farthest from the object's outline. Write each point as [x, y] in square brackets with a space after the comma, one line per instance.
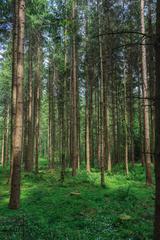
[81, 207]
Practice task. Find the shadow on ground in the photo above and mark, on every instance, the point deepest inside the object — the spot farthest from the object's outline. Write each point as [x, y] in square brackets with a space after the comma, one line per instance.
[78, 209]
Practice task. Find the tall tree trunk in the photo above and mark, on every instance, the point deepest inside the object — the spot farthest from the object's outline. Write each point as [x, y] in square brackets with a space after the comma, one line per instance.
[102, 107]
[114, 148]
[37, 105]
[64, 110]
[130, 105]
[14, 77]
[51, 125]
[140, 116]
[30, 144]
[126, 121]
[17, 138]
[151, 71]
[87, 131]
[87, 108]
[157, 134]
[25, 126]
[74, 93]
[146, 102]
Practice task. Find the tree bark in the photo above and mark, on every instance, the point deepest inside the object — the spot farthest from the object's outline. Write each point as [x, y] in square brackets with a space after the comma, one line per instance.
[14, 77]
[37, 105]
[157, 134]
[126, 121]
[74, 93]
[17, 138]
[102, 106]
[30, 143]
[146, 103]
[51, 125]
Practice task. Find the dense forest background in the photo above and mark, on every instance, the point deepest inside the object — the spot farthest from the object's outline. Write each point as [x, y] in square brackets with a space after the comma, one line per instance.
[79, 96]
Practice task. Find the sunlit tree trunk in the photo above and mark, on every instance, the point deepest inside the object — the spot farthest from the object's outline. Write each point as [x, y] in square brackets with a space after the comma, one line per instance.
[146, 102]
[130, 105]
[140, 118]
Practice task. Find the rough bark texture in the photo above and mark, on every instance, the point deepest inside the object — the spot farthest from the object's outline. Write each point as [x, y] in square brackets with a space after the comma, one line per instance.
[102, 108]
[29, 154]
[17, 138]
[37, 105]
[14, 76]
[157, 136]
[74, 94]
[146, 103]
[51, 125]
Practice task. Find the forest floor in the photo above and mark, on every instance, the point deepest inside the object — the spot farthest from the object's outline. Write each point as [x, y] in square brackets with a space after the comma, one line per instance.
[79, 209]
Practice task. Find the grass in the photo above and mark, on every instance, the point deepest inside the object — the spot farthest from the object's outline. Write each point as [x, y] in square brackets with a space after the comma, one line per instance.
[50, 210]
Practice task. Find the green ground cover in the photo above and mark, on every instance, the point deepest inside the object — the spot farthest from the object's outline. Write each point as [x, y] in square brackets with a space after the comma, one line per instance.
[79, 209]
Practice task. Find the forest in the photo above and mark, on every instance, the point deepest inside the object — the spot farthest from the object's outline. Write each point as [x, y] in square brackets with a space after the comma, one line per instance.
[80, 120]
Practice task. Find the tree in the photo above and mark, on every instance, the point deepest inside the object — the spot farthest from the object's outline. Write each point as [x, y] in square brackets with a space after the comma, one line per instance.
[157, 135]
[74, 92]
[37, 102]
[17, 137]
[30, 137]
[146, 103]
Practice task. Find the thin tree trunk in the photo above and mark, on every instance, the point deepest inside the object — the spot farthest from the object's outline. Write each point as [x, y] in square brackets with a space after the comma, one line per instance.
[126, 122]
[4, 140]
[141, 124]
[114, 149]
[87, 132]
[87, 113]
[2, 151]
[30, 144]
[130, 105]
[7, 136]
[151, 70]
[146, 103]
[37, 107]
[74, 94]
[102, 107]
[51, 125]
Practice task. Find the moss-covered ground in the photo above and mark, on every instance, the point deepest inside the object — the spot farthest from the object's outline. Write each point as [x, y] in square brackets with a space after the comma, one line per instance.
[78, 209]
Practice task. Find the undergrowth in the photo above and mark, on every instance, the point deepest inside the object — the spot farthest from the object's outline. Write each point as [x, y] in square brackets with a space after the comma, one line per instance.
[79, 209]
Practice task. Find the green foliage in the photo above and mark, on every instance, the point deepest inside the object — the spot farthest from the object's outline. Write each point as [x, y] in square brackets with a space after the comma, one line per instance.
[123, 210]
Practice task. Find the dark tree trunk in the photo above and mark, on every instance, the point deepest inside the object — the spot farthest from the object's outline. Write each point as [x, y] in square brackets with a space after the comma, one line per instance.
[157, 134]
